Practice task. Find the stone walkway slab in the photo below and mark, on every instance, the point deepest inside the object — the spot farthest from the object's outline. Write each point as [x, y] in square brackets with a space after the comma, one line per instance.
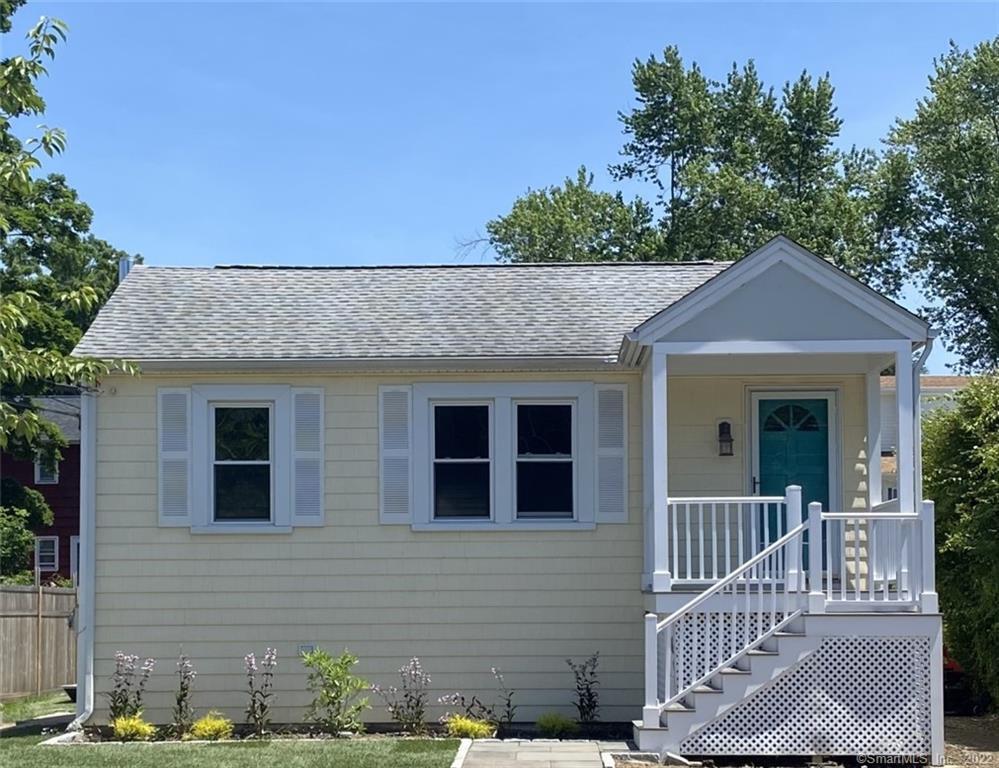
[516, 753]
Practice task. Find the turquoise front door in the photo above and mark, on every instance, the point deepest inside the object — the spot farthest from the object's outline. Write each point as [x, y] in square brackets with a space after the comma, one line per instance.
[793, 449]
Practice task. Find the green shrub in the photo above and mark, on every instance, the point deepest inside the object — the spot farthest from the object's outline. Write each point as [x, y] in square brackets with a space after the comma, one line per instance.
[336, 704]
[961, 474]
[554, 725]
[132, 728]
[211, 727]
[462, 727]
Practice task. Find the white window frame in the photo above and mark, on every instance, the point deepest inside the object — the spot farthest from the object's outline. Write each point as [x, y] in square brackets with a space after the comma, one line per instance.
[491, 461]
[38, 549]
[203, 398]
[213, 407]
[572, 459]
[502, 396]
[40, 480]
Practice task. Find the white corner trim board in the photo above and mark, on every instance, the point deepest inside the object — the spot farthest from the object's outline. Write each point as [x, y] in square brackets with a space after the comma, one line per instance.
[84, 620]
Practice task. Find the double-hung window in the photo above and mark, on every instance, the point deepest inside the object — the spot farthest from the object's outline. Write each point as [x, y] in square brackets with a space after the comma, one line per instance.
[242, 475]
[47, 553]
[545, 468]
[44, 475]
[462, 466]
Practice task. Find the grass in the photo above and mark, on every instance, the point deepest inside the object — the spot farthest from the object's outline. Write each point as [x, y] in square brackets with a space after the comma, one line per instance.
[355, 753]
[16, 710]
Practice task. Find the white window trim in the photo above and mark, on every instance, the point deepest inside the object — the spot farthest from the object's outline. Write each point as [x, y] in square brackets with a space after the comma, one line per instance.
[572, 458]
[38, 474]
[502, 396]
[203, 397]
[55, 547]
[491, 461]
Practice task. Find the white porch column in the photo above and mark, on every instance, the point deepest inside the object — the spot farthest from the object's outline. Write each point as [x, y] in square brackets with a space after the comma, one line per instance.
[874, 436]
[661, 577]
[906, 450]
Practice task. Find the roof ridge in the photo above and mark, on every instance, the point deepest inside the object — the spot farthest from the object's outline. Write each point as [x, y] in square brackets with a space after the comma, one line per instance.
[496, 265]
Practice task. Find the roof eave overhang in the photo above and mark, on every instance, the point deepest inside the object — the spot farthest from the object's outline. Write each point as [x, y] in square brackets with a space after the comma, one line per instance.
[379, 365]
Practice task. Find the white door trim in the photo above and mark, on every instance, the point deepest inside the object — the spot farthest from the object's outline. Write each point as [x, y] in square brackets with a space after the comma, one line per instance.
[831, 396]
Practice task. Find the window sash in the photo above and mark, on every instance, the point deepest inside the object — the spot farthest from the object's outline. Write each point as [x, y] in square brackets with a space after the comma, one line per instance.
[434, 462]
[47, 561]
[555, 458]
[215, 462]
[45, 477]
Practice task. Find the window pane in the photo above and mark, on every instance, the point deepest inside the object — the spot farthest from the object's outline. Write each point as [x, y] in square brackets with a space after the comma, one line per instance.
[461, 490]
[544, 430]
[242, 434]
[461, 432]
[242, 492]
[544, 489]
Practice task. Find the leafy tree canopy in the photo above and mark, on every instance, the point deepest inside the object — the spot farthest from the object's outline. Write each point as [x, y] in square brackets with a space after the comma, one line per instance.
[730, 164]
[948, 153]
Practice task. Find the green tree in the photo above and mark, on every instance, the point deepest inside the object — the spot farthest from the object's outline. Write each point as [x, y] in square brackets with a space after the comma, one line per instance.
[961, 474]
[54, 273]
[950, 150]
[730, 165]
[574, 222]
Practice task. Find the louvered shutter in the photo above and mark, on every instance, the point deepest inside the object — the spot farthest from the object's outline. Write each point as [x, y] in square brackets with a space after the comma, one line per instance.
[307, 466]
[174, 439]
[395, 439]
[611, 454]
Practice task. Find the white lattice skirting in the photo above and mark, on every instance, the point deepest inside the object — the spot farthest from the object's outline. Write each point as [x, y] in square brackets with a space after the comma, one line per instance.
[853, 696]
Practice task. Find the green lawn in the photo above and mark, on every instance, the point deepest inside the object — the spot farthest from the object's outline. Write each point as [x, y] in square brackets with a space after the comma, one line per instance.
[16, 710]
[358, 753]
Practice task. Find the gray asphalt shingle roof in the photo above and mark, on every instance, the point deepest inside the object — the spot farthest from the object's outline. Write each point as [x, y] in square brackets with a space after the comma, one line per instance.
[247, 313]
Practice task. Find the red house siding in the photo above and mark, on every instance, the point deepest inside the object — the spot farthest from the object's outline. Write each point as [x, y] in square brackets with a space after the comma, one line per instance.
[63, 497]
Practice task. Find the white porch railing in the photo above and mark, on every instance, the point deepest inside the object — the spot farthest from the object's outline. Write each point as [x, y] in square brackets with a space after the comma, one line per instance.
[710, 536]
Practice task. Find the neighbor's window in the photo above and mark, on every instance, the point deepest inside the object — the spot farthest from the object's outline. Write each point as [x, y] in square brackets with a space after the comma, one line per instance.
[462, 469]
[242, 470]
[47, 553]
[545, 486]
[44, 475]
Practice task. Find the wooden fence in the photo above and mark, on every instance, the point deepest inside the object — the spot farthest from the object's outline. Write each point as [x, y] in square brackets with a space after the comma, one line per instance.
[37, 639]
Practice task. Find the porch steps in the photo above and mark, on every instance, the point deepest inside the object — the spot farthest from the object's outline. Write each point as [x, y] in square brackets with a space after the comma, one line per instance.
[730, 686]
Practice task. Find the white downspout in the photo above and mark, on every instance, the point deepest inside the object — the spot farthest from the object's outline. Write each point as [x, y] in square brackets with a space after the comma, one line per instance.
[917, 427]
[86, 586]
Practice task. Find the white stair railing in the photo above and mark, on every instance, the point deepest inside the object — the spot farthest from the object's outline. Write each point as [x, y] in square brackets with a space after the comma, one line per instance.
[733, 616]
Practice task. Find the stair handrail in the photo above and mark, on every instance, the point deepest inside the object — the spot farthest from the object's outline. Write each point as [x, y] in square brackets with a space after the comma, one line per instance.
[718, 586]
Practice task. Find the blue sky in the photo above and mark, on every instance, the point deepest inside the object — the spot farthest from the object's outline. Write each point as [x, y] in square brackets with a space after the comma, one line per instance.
[360, 134]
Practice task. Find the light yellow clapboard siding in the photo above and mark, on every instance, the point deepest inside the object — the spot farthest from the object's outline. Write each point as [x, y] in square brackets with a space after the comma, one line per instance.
[463, 601]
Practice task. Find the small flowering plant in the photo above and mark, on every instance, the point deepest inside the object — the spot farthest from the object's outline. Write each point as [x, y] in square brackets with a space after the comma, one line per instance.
[501, 714]
[408, 704]
[127, 687]
[261, 691]
[183, 711]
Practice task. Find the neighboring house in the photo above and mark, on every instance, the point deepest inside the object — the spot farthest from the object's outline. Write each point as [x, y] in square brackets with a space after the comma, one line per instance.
[509, 465]
[935, 392]
[57, 545]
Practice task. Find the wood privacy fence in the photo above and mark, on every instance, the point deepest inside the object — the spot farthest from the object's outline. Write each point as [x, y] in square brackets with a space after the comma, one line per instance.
[37, 639]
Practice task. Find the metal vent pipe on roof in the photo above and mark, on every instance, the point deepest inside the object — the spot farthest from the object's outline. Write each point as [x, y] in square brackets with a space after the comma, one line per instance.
[124, 265]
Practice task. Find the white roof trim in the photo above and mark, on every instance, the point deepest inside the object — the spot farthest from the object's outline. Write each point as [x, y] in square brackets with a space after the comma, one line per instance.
[781, 250]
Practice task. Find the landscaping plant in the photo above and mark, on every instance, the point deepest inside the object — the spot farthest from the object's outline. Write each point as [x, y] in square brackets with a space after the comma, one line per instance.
[336, 704]
[554, 725]
[462, 727]
[132, 728]
[408, 705]
[183, 711]
[258, 711]
[125, 698]
[212, 727]
[501, 714]
[587, 695]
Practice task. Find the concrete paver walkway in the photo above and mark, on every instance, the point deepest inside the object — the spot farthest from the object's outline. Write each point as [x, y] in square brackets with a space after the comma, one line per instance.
[533, 754]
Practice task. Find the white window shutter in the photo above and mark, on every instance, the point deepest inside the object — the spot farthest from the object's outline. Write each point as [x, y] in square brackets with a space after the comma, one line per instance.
[612, 454]
[174, 449]
[307, 466]
[395, 443]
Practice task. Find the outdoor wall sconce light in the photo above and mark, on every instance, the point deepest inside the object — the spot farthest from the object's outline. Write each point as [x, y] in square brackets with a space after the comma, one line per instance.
[726, 445]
